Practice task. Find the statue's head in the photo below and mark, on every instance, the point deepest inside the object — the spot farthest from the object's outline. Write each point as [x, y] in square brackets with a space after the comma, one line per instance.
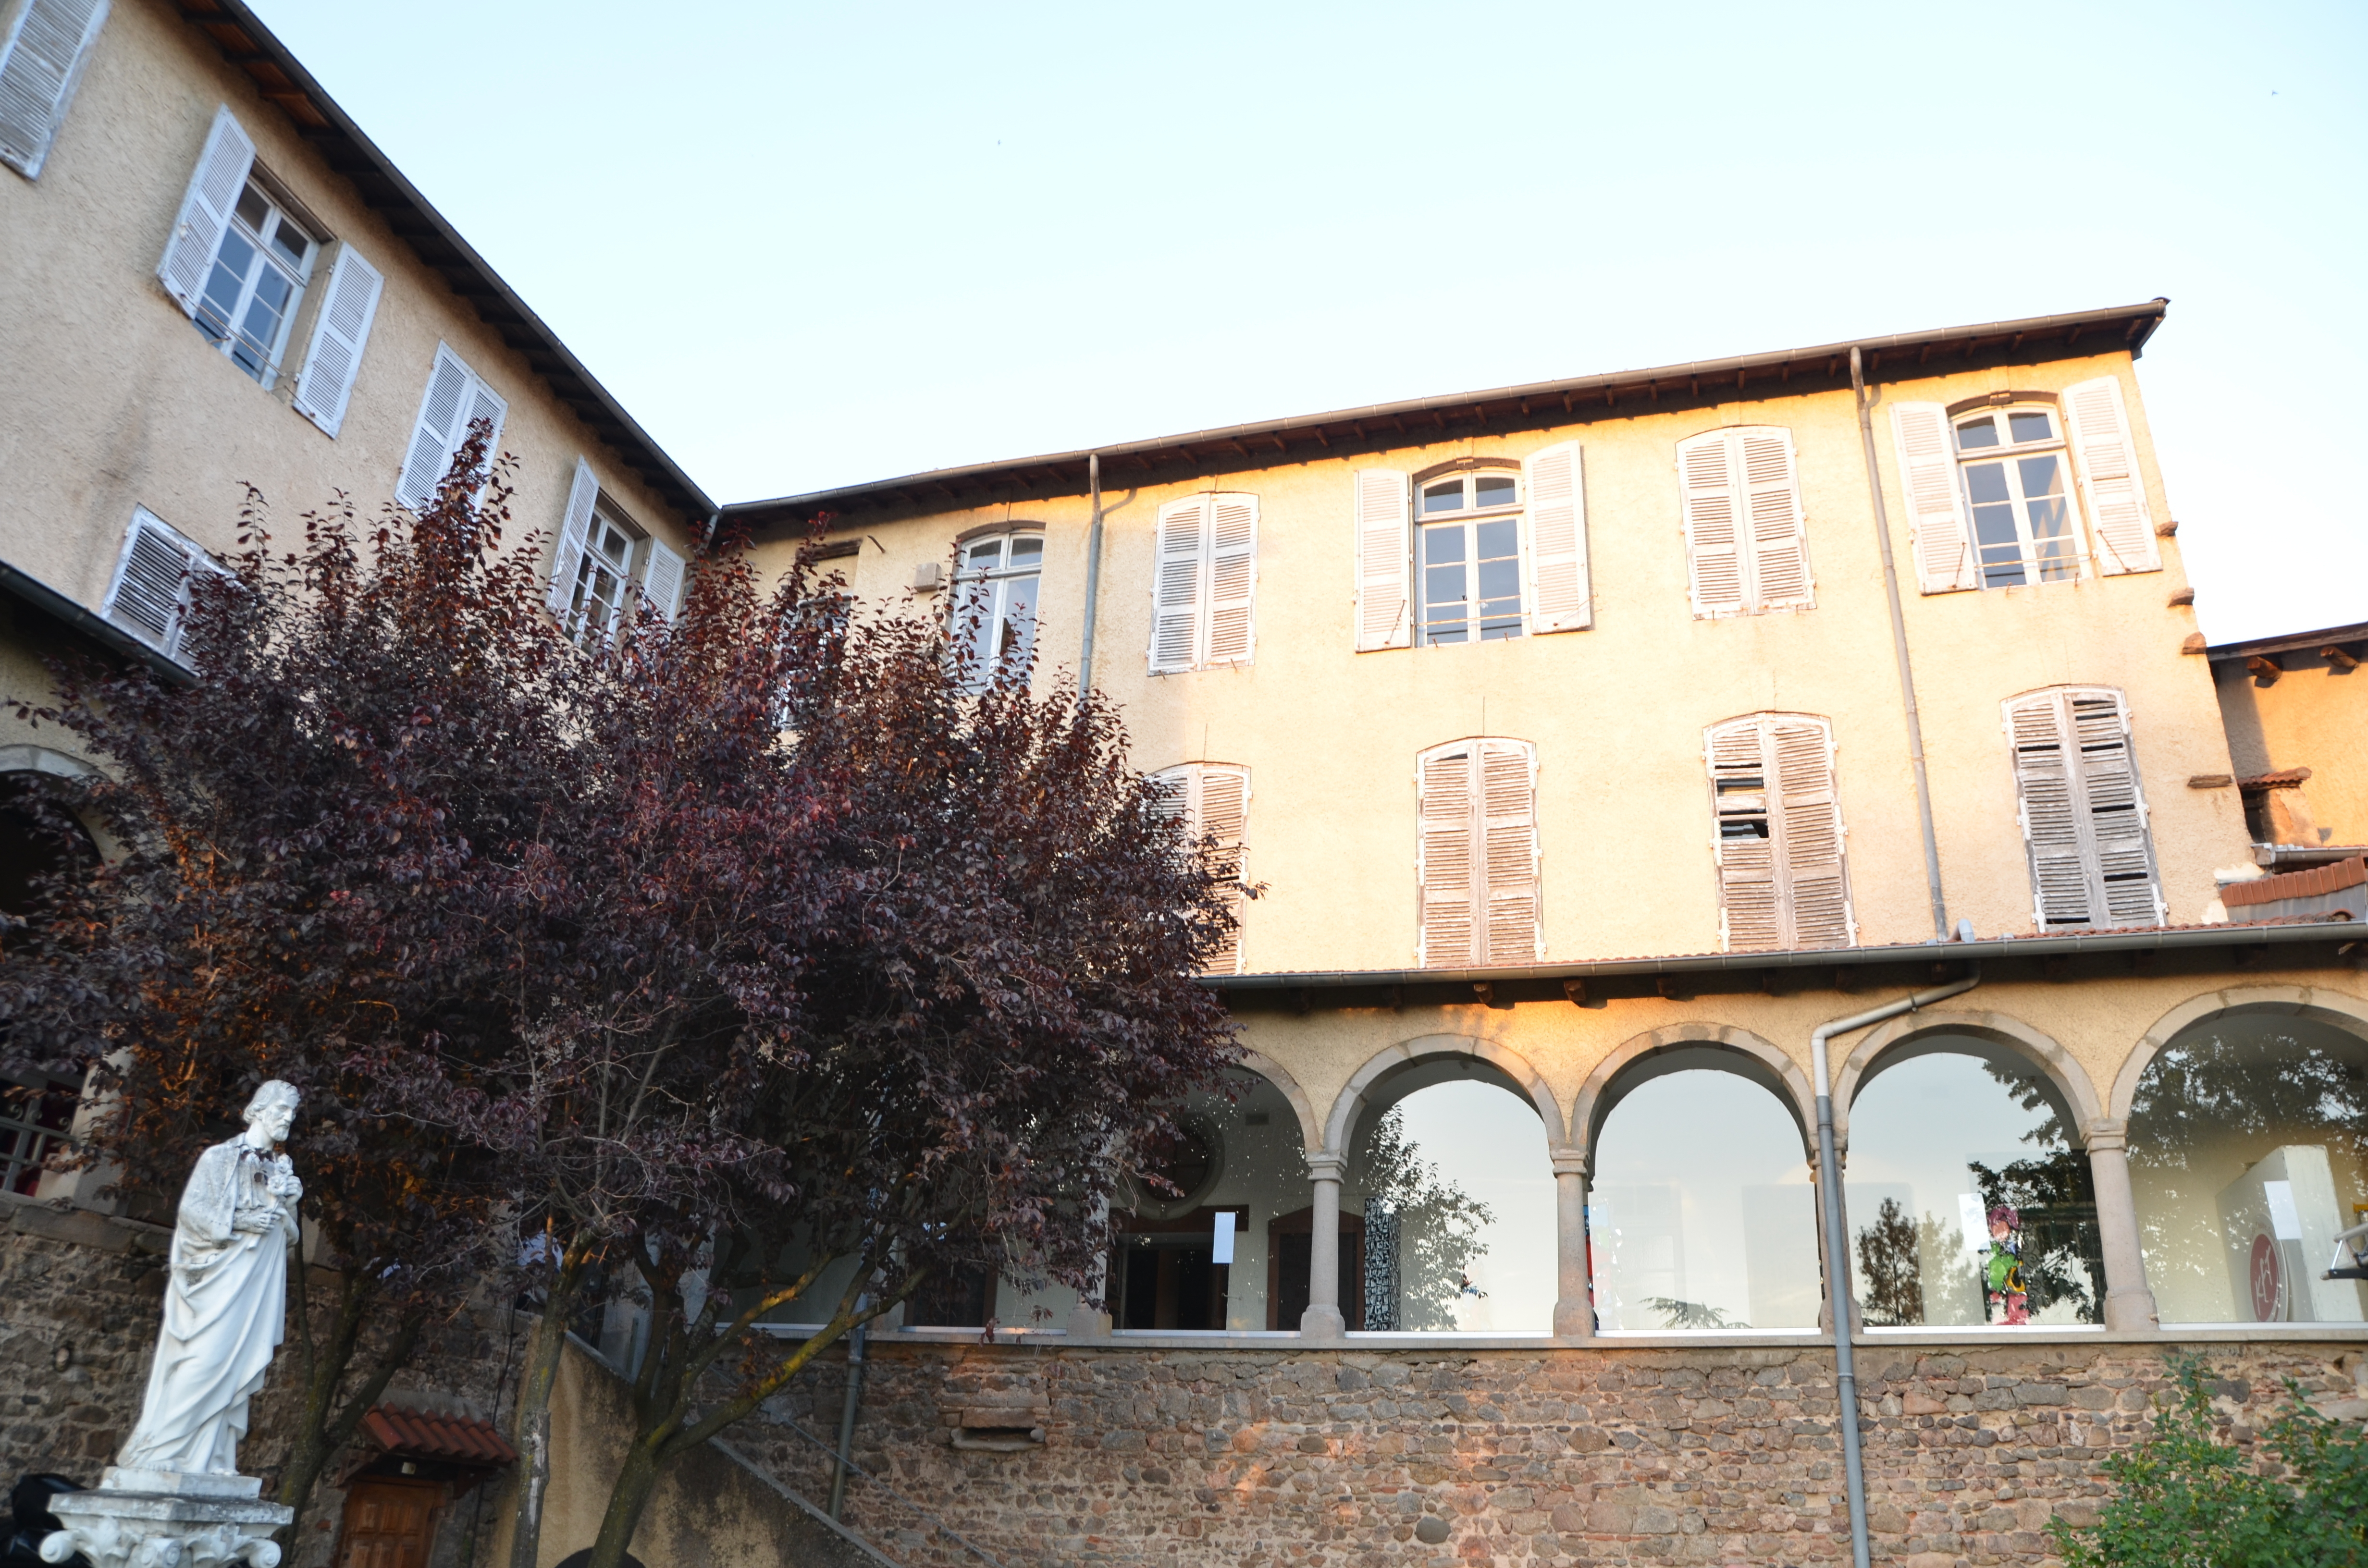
[273, 1110]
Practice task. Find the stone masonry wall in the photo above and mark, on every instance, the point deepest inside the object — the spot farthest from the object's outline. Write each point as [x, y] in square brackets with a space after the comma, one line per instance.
[1354, 1459]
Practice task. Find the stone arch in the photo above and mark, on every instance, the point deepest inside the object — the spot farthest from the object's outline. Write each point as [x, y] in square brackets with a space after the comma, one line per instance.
[1594, 1102]
[2340, 1009]
[1342, 1124]
[2062, 1068]
[26, 758]
[1311, 1132]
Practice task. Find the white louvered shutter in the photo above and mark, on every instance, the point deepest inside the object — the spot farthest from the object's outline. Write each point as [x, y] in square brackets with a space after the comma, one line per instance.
[1783, 882]
[1233, 580]
[1508, 890]
[39, 65]
[1446, 867]
[435, 434]
[1945, 561]
[1560, 599]
[2084, 818]
[1176, 585]
[661, 579]
[1779, 543]
[151, 581]
[1221, 815]
[335, 358]
[1708, 488]
[206, 208]
[575, 531]
[2106, 451]
[493, 408]
[1384, 553]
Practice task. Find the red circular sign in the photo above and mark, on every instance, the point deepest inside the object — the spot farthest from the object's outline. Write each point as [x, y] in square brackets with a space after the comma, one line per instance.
[2268, 1282]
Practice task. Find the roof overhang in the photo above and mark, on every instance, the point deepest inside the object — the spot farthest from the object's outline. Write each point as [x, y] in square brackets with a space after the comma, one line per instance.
[109, 638]
[248, 44]
[1382, 427]
[2289, 643]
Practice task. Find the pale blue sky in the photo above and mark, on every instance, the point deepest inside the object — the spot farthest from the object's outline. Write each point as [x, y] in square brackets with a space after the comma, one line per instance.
[812, 245]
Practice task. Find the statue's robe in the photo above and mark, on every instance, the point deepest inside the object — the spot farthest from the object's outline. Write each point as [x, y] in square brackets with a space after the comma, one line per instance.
[225, 1314]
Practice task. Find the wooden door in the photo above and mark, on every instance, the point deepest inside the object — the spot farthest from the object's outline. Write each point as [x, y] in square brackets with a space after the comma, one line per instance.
[389, 1523]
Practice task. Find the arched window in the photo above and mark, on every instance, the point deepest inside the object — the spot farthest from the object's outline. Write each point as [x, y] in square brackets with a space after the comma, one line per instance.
[2017, 486]
[1968, 1203]
[1468, 557]
[2248, 1152]
[1497, 548]
[994, 605]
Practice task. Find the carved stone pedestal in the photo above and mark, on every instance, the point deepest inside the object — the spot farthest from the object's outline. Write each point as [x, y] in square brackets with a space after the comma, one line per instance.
[158, 1519]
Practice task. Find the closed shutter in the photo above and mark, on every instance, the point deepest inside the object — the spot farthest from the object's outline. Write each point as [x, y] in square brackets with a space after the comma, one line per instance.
[1713, 556]
[661, 579]
[1176, 585]
[215, 187]
[575, 531]
[1479, 856]
[1212, 801]
[1232, 579]
[39, 66]
[1779, 544]
[151, 581]
[1560, 599]
[1385, 550]
[335, 358]
[455, 399]
[1783, 882]
[2098, 424]
[2084, 817]
[1936, 501]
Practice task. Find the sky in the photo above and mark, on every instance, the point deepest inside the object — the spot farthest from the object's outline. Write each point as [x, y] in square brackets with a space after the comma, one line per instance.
[812, 245]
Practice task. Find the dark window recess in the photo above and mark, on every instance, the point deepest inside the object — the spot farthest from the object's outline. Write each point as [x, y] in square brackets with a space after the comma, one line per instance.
[1289, 1240]
[1182, 1160]
[37, 841]
[960, 1299]
[33, 1123]
[1163, 1274]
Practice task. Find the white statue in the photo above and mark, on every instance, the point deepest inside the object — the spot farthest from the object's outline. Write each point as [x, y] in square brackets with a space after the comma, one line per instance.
[226, 1306]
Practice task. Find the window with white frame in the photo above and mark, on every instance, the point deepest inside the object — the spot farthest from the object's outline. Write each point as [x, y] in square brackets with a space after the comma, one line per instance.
[2084, 816]
[602, 562]
[1212, 800]
[2017, 476]
[995, 578]
[151, 586]
[1468, 558]
[1782, 881]
[256, 280]
[1478, 550]
[1203, 578]
[1477, 855]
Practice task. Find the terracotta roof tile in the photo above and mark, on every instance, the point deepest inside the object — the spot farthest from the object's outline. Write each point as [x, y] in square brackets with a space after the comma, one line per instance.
[2309, 883]
[437, 1436]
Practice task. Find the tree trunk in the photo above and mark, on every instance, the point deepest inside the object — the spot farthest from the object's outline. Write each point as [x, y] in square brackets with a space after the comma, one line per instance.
[531, 1432]
[320, 1434]
[626, 1500]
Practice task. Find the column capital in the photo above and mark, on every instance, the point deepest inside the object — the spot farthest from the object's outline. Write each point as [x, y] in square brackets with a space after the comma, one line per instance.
[1570, 1162]
[1326, 1165]
[2104, 1134]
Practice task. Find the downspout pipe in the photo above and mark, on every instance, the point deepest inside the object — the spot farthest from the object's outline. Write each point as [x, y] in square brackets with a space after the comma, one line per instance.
[1899, 649]
[847, 1416]
[1093, 573]
[1838, 1272]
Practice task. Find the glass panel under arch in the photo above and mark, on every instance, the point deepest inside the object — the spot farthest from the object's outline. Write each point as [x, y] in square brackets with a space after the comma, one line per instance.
[2248, 1154]
[1701, 1215]
[1968, 1203]
[1455, 1196]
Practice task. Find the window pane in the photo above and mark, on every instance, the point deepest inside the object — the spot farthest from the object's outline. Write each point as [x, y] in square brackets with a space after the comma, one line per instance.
[1500, 540]
[1446, 495]
[289, 242]
[1442, 594]
[253, 210]
[1982, 432]
[1985, 482]
[1026, 549]
[2034, 425]
[1493, 490]
[984, 555]
[1442, 544]
[219, 304]
[1962, 1184]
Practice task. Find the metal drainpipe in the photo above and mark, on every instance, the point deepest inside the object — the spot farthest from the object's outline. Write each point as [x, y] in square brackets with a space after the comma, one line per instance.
[1838, 1294]
[846, 1415]
[1093, 572]
[1899, 647]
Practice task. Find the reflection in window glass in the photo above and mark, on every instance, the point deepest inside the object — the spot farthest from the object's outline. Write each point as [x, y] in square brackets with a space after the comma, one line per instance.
[1963, 1185]
[2248, 1150]
[1702, 1213]
[994, 612]
[1458, 1195]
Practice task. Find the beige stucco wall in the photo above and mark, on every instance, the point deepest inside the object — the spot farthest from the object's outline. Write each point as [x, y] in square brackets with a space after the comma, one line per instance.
[117, 401]
[1616, 713]
[2311, 717]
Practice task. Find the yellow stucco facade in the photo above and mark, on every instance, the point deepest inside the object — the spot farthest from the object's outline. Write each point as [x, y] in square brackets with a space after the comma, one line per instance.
[2306, 712]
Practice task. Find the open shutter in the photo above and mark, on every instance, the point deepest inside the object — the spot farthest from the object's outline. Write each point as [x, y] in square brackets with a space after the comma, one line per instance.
[1446, 868]
[435, 434]
[2101, 444]
[575, 531]
[661, 579]
[1384, 552]
[1936, 501]
[2048, 783]
[145, 597]
[335, 358]
[1779, 572]
[1232, 579]
[206, 208]
[1508, 889]
[2084, 817]
[490, 406]
[39, 65]
[2115, 810]
[1221, 814]
[1708, 487]
[1560, 599]
[1808, 833]
[1750, 893]
[1176, 585]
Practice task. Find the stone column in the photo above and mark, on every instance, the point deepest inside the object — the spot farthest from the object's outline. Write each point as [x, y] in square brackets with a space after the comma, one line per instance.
[1084, 1322]
[1573, 1314]
[1323, 1319]
[1831, 1255]
[2129, 1304]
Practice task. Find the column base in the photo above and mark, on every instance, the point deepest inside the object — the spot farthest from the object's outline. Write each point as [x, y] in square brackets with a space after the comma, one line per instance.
[2131, 1312]
[1574, 1320]
[170, 1521]
[1322, 1322]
